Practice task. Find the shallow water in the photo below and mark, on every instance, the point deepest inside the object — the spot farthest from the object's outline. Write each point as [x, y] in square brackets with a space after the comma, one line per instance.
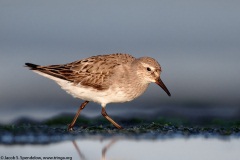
[197, 148]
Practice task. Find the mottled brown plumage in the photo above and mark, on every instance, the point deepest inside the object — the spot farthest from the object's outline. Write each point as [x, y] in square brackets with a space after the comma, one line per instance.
[104, 79]
[93, 72]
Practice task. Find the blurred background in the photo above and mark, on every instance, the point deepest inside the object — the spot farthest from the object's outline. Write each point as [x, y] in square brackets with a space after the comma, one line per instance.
[197, 44]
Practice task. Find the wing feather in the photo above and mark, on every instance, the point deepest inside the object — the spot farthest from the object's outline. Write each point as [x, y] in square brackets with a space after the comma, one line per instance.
[92, 72]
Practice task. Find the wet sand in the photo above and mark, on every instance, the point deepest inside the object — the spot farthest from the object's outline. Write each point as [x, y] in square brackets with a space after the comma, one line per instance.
[158, 138]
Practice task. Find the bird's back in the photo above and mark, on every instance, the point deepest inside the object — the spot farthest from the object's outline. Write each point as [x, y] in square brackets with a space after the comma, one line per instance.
[91, 72]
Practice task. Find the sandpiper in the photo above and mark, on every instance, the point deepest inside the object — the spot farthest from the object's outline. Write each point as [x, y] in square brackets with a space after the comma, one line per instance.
[113, 78]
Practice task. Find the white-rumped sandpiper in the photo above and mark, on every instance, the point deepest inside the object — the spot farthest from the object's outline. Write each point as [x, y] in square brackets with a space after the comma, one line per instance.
[104, 79]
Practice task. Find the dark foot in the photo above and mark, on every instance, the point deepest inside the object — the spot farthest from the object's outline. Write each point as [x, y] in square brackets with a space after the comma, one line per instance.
[70, 128]
[120, 127]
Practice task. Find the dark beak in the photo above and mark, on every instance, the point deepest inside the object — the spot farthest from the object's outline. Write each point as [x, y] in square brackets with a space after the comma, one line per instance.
[162, 85]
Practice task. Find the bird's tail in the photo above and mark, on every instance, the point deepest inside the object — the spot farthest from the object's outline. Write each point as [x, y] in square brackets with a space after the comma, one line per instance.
[31, 66]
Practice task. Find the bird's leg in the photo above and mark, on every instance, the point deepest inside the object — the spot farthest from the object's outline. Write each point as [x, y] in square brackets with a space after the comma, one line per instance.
[104, 113]
[70, 126]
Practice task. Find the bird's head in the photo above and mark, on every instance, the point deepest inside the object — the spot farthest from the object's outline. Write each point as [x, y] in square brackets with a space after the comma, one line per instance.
[149, 70]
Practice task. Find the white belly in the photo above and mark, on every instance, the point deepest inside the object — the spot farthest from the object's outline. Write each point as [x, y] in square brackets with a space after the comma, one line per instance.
[103, 97]
[90, 94]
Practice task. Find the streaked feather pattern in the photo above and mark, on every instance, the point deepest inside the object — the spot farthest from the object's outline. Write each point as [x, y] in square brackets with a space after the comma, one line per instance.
[92, 72]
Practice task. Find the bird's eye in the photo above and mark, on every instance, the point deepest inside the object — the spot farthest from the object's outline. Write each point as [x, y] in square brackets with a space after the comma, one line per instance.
[148, 69]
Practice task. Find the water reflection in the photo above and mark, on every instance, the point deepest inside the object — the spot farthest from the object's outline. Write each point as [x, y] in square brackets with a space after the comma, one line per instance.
[82, 157]
[128, 149]
[104, 149]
